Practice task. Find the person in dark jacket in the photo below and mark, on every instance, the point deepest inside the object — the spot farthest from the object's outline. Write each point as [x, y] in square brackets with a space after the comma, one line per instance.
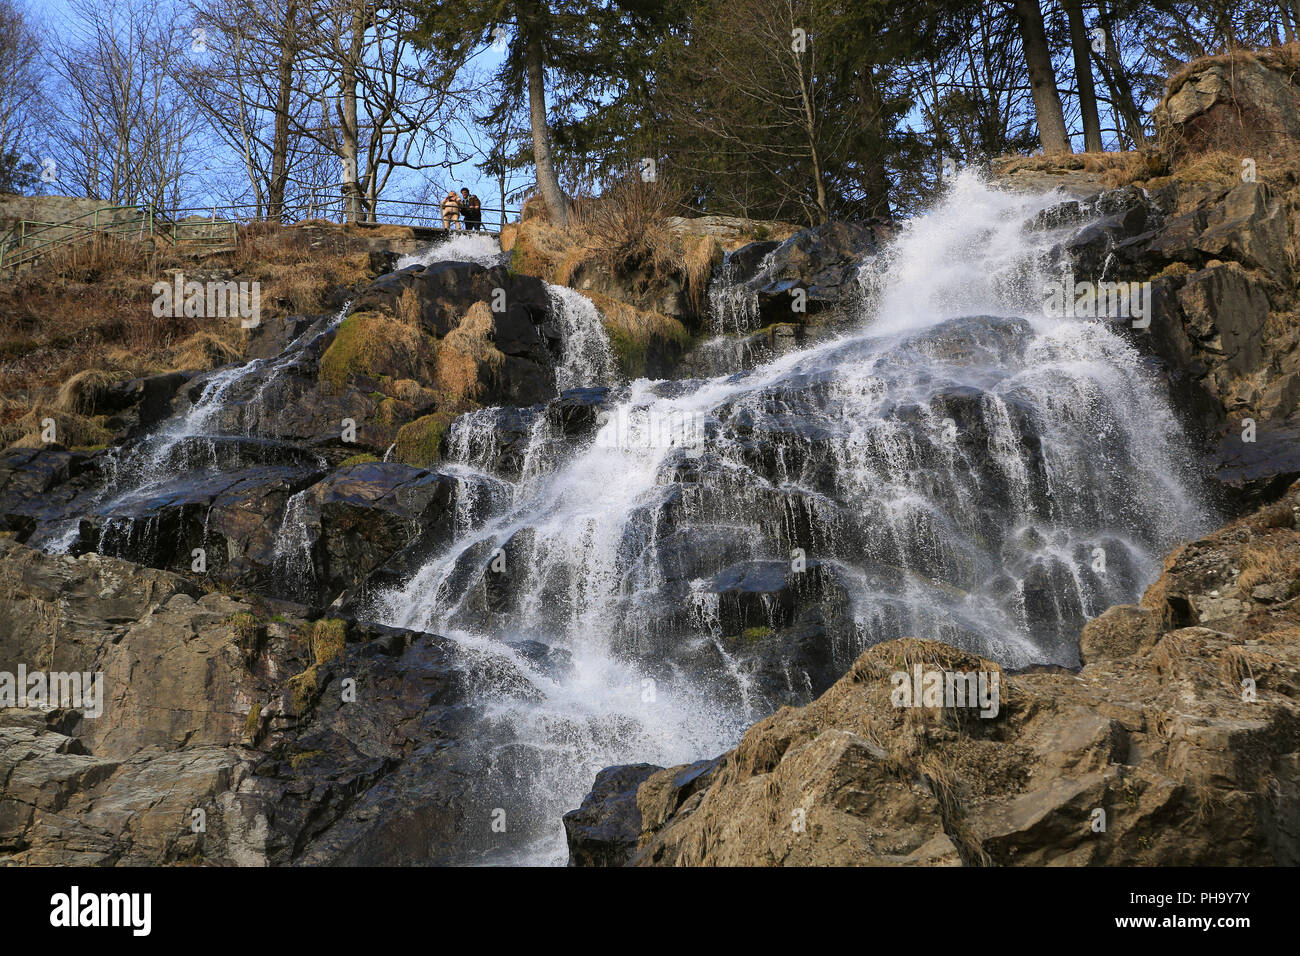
[471, 210]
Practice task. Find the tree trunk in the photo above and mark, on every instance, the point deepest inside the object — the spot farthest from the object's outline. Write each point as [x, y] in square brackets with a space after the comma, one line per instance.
[547, 180]
[1042, 80]
[348, 126]
[1083, 76]
[283, 98]
[810, 131]
[876, 176]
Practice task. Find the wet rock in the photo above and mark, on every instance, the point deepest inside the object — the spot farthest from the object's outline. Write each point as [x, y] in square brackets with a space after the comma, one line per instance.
[577, 412]
[364, 514]
[39, 487]
[229, 517]
[1255, 472]
[813, 271]
[605, 829]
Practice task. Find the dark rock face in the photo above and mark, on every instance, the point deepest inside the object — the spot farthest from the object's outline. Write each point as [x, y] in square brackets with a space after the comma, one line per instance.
[140, 404]
[522, 328]
[1259, 471]
[229, 515]
[577, 411]
[375, 753]
[605, 829]
[39, 485]
[813, 271]
[1220, 281]
[362, 515]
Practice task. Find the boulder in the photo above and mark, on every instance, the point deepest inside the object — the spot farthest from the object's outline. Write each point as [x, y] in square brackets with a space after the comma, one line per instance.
[605, 829]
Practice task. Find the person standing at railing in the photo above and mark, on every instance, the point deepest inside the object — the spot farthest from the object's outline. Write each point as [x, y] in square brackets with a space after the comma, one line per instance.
[471, 209]
[450, 210]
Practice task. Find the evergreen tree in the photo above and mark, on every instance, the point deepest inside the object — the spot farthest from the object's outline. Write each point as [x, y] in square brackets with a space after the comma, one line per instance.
[590, 51]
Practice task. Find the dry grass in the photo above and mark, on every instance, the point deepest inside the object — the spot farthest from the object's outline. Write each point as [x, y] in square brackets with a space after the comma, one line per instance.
[328, 637]
[301, 267]
[206, 349]
[84, 392]
[413, 393]
[375, 345]
[89, 307]
[622, 232]
[70, 429]
[1168, 652]
[625, 228]
[1236, 663]
[1114, 169]
[701, 254]
[1264, 565]
[634, 333]
[466, 354]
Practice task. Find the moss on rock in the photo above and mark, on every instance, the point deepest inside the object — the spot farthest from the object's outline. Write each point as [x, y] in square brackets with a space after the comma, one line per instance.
[420, 442]
[377, 345]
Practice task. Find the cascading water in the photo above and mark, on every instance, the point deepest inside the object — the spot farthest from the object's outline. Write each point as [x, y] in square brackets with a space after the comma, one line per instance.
[461, 247]
[959, 467]
[586, 358]
[733, 306]
[191, 443]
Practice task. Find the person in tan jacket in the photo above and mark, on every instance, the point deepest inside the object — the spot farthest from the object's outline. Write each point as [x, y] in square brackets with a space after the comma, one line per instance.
[450, 210]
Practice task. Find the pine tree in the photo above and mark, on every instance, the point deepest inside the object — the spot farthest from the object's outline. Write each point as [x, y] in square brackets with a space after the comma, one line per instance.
[589, 49]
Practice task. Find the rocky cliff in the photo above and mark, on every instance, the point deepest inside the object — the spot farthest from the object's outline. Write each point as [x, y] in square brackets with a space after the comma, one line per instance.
[255, 717]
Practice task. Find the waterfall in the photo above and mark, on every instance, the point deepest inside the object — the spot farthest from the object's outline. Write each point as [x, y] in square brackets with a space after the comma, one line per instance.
[193, 441]
[733, 306]
[958, 467]
[586, 357]
[460, 247]
[293, 545]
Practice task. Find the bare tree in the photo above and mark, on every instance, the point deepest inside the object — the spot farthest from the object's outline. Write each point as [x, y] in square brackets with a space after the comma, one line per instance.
[241, 76]
[384, 105]
[20, 97]
[121, 128]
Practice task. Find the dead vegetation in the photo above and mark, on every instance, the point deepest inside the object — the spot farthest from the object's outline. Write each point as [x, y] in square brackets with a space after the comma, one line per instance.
[466, 353]
[1115, 169]
[1210, 150]
[624, 233]
[83, 319]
